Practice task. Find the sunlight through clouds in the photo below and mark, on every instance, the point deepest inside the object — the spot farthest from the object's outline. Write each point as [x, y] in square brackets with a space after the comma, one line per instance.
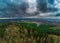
[32, 6]
[57, 4]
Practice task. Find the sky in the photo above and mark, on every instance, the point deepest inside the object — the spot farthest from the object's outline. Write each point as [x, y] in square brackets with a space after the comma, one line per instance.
[31, 9]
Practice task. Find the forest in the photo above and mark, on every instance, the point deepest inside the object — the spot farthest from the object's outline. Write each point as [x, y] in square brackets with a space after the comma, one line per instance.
[29, 32]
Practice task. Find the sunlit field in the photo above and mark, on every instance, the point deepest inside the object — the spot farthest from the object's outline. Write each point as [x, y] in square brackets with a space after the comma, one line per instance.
[23, 32]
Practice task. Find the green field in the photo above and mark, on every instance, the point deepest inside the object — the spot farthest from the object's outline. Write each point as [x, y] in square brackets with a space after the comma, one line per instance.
[23, 32]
